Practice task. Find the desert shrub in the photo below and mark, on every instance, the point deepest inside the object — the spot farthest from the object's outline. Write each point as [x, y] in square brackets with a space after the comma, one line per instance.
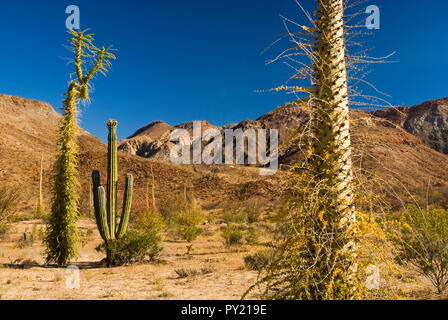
[252, 210]
[249, 211]
[171, 206]
[422, 242]
[134, 246]
[259, 259]
[232, 235]
[9, 200]
[251, 236]
[232, 216]
[150, 220]
[28, 238]
[186, 223]
[185, 273]
[4, 228]
[40, 213]
[207, 270]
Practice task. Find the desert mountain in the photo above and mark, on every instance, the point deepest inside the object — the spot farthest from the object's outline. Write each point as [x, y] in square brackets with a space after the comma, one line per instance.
[399, 146]
[428, 121]
[386, 156]
[28, 129]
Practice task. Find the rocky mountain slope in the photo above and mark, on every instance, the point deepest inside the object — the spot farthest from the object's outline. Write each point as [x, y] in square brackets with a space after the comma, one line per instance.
[399, 146]
[387, 157]
[28, 129]
[427, 121]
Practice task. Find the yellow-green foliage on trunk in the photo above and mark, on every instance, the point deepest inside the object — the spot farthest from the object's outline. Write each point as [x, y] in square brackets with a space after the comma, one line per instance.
[317, 255]
[62, 233]
[330, 162]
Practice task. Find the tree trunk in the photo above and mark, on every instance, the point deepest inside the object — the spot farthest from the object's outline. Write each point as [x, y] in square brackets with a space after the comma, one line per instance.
[331, 160]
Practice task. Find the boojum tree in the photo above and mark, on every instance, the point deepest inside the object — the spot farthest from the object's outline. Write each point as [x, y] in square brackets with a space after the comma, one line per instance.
[317, 255]
[62, 234]
[330, 162]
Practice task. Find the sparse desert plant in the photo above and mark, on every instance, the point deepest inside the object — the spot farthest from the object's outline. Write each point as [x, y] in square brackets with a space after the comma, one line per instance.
[185, 273]
[85, 236]
[186, 222]
[423, 243]
[62, 232]
[232, 216]
[133, 246]
[251, 235]
[150, 220]
[4, 228]
[252, 210]
[153, 205]
[259, 259]
[40, 212]
[232, 235]
[28, 238]
[170, 206]
[188, 272]
[9, 200]
[105, 204]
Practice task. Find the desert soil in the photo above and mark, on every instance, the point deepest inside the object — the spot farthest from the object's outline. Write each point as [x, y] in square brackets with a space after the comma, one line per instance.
[23, 274]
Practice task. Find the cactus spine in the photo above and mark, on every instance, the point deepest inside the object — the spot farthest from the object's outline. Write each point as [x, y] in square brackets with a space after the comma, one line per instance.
[105, 203]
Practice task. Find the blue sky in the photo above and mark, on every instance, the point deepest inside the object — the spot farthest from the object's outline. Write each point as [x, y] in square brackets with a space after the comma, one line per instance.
[201, 59]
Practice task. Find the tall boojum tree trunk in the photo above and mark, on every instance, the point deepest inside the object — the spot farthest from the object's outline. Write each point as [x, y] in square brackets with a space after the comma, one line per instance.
[62, 231]
[331, 159]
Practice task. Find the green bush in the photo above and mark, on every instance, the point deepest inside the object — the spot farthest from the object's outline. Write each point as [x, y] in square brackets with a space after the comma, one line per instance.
[186, 223]
[423, 243]
[252, 236]
[171, 206]
[259, 259]
[4, 228]
[252, 210]
[231, 216]
[134, 246]
[150, 220]
[40, 213]
[232, 235]
[9, 200]
[190, 232]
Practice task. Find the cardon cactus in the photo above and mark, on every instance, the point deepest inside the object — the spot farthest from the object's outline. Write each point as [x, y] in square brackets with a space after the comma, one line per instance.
[105, 201]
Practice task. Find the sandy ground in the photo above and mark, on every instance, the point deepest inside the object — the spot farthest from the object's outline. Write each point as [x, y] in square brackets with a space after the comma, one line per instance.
[24, 276]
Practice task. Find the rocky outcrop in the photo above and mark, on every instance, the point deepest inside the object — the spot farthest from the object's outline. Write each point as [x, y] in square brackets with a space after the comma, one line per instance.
[427, 121]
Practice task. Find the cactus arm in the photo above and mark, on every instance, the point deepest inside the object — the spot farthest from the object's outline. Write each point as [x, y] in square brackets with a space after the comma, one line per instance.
[103, 226]
[112, 177]
[127, 201]
[96, 204]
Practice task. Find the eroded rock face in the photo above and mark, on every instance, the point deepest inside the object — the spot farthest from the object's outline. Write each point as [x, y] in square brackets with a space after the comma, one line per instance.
[427, 121]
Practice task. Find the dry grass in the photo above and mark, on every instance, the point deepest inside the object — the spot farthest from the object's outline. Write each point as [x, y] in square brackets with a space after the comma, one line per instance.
[212, 271]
